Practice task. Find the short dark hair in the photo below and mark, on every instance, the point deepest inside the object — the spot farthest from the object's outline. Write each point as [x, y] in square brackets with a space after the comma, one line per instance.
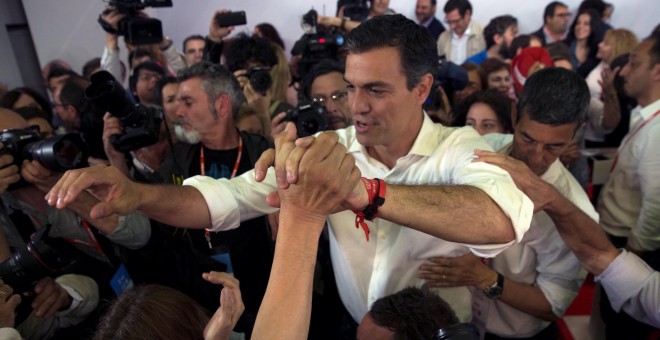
[461, 5]
[419, 54]
[59, 72]
[323, 67]
[192, 37]
[413, 313]
[550, 9]
[497, 101]
[90, 66]
[10, 98]
[73, 92]
[554, 96]
[596, 5]
[216, 80]
[558, 51]
[489, 66]
[498, 25]
[654, 52]
[147, 65]
[162, 82]
[245, 49]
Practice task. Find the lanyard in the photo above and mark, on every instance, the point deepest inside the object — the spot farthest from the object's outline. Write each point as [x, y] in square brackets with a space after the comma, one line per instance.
[207, 233]
[238, 159]
[93, 244]
[630, 137]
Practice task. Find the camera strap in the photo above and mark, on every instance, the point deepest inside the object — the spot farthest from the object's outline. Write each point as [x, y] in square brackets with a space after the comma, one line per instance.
[23, 224]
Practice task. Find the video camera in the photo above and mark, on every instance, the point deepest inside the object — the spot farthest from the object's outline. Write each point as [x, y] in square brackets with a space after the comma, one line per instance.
[309, 118]
[141, 123]
[43, 256]
[135, 29]
[315, 46]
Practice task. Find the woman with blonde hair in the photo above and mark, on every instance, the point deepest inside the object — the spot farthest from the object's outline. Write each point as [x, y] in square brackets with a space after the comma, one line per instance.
[604, 111]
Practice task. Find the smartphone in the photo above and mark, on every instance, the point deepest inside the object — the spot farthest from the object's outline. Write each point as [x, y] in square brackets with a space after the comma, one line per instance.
[231, 19]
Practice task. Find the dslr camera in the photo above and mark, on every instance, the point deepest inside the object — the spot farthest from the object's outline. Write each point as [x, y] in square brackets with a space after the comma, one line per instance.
[315, 46]
[259, 78]
[135, 29]
[43, 256]
[309, 118]
[58, 153]
[141, 123]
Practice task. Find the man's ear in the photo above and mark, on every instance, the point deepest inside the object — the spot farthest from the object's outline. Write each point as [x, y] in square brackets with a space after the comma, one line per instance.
[655, 73]
[222, 105]
[424, 87]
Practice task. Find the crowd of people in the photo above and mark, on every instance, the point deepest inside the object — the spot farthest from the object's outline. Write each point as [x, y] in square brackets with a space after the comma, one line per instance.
[422, 181]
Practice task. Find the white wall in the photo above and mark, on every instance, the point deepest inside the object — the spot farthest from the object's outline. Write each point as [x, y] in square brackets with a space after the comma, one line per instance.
[67, 29]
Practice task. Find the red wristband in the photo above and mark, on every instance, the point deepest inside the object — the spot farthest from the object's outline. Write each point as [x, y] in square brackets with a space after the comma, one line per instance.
[376, 190]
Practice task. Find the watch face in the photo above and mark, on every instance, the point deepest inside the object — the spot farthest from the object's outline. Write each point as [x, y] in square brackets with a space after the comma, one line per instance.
[493, 292]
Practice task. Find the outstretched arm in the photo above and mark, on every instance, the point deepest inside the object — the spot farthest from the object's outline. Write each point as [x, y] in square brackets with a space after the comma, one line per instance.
[581, 233]
[117, 194]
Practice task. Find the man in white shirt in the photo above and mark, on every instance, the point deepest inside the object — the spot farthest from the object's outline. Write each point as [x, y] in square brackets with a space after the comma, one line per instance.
[464, 37]
[629, 203]
[532, 282]
[391, 139]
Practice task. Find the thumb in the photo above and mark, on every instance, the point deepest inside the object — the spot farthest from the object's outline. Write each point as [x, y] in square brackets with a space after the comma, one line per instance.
[102, 209]
[14, 300]
[273, 199]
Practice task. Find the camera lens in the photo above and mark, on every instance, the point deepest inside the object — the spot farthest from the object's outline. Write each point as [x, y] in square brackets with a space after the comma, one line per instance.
[260, 79]
[59, 153]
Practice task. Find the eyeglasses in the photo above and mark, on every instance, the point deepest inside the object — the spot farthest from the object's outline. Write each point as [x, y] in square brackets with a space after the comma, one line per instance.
[54, 104]
[148, 76]
[337, 97]
[563, 15]
[452, 22]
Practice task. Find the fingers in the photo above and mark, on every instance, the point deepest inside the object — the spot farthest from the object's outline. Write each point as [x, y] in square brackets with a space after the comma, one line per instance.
[319, 149]
[221, 278]
[73, 182]
[47, 294]
[283, 147]
[265, 161]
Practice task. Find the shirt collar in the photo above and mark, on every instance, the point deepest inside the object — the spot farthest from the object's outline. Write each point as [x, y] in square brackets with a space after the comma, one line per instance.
[427, 22]
[647, 111]
[467, 33]
[424, 144]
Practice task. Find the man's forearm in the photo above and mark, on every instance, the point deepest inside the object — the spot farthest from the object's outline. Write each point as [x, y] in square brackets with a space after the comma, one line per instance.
[180, 206]
[455, 213]
[527, 298]
[582, 234]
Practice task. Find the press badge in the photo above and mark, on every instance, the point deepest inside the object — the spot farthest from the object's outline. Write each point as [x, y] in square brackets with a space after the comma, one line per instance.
[121, 281]
[221, 254]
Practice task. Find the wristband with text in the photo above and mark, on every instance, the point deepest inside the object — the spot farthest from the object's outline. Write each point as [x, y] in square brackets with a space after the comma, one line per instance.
[376, 191]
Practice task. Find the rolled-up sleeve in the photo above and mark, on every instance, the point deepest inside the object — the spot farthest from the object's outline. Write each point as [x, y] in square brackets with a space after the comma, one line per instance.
[133, 231]
[232, 201]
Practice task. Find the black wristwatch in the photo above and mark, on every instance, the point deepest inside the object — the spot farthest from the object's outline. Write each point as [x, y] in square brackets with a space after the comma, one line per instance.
[494, 291]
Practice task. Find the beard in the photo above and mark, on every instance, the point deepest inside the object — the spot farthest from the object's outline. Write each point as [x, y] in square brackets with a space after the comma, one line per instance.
[190, 137]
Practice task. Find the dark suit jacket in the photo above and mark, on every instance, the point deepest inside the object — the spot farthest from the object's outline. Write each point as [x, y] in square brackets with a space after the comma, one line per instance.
[436, 28]
[539, 34]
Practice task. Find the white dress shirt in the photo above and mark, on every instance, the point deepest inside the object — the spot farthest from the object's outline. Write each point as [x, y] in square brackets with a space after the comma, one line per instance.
[541, 259]
[459, 46]
[390, 260]
[629, 203]
[633, 286]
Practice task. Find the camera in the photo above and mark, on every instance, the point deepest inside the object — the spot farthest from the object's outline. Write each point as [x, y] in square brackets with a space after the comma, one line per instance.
[315, 46]
[59, 153]
[135, 29]
[357, 10]
[259, 78]
[230, 19]
[309, 118]
[43, 256]
[141, 123]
